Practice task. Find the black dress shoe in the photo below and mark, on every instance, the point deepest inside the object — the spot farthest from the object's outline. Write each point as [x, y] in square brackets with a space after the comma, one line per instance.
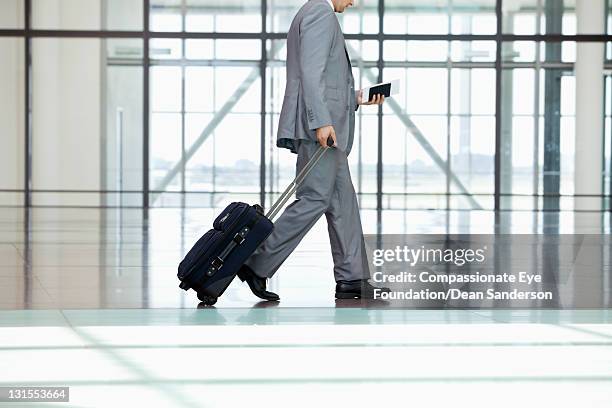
[256, 283]
[358, 289]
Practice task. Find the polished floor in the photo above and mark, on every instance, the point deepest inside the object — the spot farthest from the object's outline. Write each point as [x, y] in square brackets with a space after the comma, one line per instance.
[79, 258]
[89, 300]
[295, 357]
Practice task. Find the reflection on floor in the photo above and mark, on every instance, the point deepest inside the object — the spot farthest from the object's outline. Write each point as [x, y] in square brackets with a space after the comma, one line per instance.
[54, 258]
[294, 357]
[111, 323]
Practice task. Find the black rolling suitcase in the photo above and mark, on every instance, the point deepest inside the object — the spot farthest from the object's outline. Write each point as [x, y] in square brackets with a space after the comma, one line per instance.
[215, 259]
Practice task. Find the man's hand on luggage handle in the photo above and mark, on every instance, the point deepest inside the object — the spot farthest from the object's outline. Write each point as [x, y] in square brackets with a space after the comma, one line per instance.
[324, 133]
[377, 100]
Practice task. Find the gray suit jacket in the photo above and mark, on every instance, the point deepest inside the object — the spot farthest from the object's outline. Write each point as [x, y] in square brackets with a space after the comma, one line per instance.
[320, 87]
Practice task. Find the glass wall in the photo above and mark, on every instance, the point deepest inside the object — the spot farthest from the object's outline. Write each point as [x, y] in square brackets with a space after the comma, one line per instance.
[206, 16]
[87, 14]
[538, 126]
[12, 120]
[190, 117]
[12, 15]
[440, 17]
[86, 122]
[528, 17]
[361, 18]
[444, 121]
[205, 105]
[122, 138]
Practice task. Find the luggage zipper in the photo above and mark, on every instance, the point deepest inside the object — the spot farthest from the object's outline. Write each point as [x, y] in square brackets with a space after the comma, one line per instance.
[195, 256]
[231, 208]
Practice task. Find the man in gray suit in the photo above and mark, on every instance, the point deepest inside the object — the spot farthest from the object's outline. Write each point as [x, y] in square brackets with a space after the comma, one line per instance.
[320, 103]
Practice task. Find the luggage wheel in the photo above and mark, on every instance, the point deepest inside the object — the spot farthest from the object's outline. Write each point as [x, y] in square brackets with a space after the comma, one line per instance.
[207, 300]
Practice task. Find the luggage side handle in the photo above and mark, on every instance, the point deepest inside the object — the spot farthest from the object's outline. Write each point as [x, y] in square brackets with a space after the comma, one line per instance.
[238, 239]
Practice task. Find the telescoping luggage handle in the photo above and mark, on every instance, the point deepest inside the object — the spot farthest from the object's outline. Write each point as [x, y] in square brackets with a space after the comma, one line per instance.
[239, 238]
[297, 181]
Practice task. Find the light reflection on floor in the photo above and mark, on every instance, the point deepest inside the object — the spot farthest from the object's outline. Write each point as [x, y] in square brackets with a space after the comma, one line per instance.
[297, 357]
[92, 303]
[105, 258]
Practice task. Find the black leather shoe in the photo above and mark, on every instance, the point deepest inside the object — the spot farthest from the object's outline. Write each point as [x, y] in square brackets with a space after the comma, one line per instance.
[256, 283]
[357, 289]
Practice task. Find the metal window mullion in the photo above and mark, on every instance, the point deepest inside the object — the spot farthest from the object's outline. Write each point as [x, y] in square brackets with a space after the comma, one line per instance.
[448, 132]
[536, 112]
[406, 134]
[27, 105]
[603, 147]
[27, 226]
[262, 69]
[603, 178]
[145, 155]
[359, 118]
[379, 163]
[448, 107]
[213, 133]
[498, 101]
[183, 109]
[281, 36]
[145, 105]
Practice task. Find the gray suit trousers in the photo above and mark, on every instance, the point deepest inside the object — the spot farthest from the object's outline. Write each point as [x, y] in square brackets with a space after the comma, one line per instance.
[326, 190]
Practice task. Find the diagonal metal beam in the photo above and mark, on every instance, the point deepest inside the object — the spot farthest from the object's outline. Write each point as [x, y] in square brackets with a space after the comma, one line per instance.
[248, 82]
[418, 135]
[214, 122]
